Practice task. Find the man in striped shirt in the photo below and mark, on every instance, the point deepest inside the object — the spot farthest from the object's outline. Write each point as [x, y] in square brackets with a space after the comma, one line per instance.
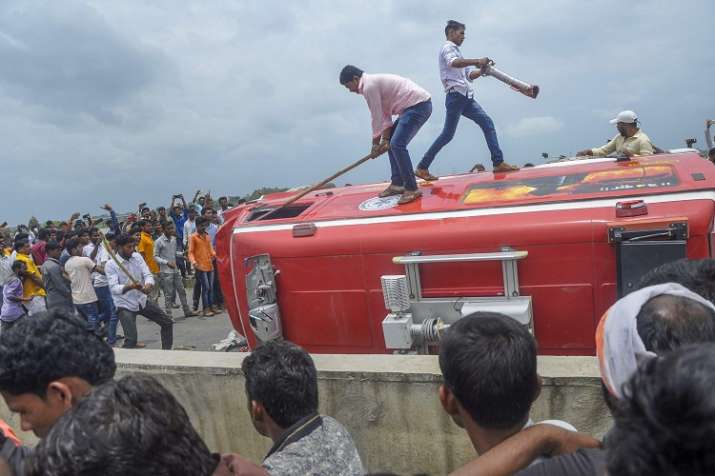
[457, 74]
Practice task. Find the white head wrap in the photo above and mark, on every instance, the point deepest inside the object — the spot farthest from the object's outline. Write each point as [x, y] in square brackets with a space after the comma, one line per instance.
[618, 345]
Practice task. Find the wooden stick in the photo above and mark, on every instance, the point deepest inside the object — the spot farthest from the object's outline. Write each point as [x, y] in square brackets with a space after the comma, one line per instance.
[317, 186]
[116, 260]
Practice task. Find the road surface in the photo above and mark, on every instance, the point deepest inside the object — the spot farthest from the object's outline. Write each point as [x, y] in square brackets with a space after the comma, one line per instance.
[194, 333]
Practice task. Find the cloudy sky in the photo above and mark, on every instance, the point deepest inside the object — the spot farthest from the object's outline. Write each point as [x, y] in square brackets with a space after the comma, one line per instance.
[134, 100]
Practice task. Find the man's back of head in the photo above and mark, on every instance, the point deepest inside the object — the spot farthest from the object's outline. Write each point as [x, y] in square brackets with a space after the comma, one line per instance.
[696, 275]
[47, 363]
[282, 378]
[667, 322]
[488, 361]
[665, 423]
[282, 389]
[131, 426]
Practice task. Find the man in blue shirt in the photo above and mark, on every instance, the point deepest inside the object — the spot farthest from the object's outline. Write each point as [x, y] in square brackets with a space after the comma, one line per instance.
[179, 213]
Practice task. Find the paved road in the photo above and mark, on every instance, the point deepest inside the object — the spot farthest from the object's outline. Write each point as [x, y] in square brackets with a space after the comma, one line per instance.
[194, 333]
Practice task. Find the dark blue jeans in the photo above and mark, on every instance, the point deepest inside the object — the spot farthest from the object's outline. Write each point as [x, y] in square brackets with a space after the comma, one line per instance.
[404, 129]
[89, 312]
[205, 280]
[460, 105]
[107, 312]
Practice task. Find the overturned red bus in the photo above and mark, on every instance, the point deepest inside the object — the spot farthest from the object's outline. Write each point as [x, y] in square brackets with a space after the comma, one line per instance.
[341, 271]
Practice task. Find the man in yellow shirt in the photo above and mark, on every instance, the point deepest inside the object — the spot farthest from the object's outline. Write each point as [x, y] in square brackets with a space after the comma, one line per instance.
[630, 141]
[32, 280]
[145, 247]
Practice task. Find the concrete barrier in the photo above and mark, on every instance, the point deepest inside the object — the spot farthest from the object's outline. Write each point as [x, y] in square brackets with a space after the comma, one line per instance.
[388, 402]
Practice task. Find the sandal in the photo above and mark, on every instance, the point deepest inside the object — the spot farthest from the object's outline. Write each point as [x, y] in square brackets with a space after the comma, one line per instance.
[392, 190]
[425, 175]
[409, 196]
[504, 167]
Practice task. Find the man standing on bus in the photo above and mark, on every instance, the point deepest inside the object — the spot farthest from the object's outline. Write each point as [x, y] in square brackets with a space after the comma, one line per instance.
[390, 95]
[456, 73]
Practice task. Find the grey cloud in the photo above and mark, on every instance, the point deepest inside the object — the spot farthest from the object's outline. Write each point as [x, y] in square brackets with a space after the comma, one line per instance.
[235, 94]
[65, 56]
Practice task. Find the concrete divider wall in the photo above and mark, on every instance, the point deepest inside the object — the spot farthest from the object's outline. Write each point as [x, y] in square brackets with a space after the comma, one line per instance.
[389, 403]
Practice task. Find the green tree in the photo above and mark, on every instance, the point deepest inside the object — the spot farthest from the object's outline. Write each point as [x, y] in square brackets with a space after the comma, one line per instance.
[259, 192]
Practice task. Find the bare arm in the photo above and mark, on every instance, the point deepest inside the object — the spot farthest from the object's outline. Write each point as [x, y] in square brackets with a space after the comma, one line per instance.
[475, 74]
[464, 62]
[518, 451]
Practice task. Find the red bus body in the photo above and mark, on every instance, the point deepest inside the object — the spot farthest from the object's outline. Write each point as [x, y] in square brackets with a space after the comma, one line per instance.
[329, 290]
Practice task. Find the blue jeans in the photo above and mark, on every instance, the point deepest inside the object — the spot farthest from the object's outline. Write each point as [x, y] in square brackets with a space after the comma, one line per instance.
[460, 105]
[404, 129]
[107, 312]
[205, 280]
[89, 312]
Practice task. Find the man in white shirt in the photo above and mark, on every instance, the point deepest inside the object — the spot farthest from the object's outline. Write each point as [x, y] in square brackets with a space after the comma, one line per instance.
[390, 95]
[169, 276]
[189, 225]
[79, 269]
[130, 294]
[96, 251]
[223, 207]
[457, 73]
[5, 269]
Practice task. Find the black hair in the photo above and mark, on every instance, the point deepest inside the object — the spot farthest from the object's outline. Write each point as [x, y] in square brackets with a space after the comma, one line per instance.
[19, 244]
[94, 229]
[133, 426]
[488, 361]
[160, 208]
[167, 224]
[71, 244]
[43, 234]
[711, 152]
[282, 376]
[453, 25]
[696, 275]
[205, 209]
[145, 209]
[52, 245]
[17, 264]
[665, 424]
[49, 346]
[124, 239]
[142, 223]
[348, 73]
[667, 322]
[222, 198]
[110, 235]
[83, 231]
[201, 220]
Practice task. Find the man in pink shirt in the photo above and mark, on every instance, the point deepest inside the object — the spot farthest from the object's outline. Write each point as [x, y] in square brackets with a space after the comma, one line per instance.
[390, 95]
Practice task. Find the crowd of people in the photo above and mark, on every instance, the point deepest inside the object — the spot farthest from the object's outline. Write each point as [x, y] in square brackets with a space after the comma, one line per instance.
[110, 275]
[67, 287]
[655, 346]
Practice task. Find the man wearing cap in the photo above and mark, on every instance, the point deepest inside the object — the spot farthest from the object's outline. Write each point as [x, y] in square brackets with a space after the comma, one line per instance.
[630, 140]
